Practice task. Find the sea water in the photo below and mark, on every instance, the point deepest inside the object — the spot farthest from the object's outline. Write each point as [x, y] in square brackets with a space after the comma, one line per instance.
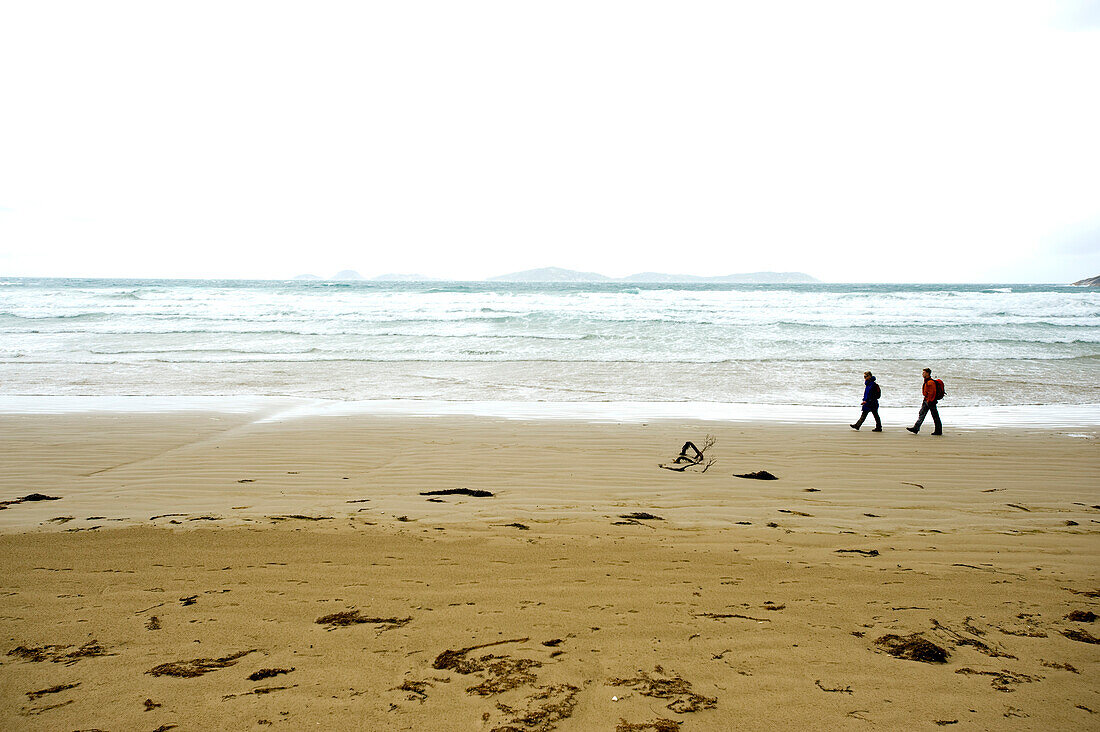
[994, 345]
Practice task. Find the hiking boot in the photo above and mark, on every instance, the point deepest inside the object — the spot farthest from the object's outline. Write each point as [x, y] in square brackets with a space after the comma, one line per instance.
[914, 430]
[877, 429]
[855, 427]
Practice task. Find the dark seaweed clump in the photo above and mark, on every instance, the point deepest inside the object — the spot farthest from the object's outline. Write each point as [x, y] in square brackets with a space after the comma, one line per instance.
[459, 492]
[197, 666]
[913, 648]
[354, 617]
[658, 725]
[58, 654]
[267, 673]
[27, 498]
[1082, 636]
[32, 695]
[674, 688]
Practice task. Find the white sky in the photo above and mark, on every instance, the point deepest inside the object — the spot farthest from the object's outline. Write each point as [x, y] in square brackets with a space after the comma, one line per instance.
[855, 141]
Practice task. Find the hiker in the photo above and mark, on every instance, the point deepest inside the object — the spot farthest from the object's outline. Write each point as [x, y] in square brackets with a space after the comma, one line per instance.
[871, 394]
[933, 391]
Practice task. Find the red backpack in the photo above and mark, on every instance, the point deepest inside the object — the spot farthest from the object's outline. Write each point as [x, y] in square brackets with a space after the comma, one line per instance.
[940, 391]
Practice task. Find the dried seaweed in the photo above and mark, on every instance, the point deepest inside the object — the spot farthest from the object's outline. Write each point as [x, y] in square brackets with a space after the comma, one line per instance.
[1000, 680]
[722, 616]
[416, 690]
[864, 552]
[353, 617]
[455, 660]
[504, 673]
[1087, 593]
[1027, 631]
[91, 649]
[300, 517]
[259, 691]
[674, 688]
[545, 709]
[1082, 636]
[472, 492]
[757, 475]
[48, 707]
[912, 648]
[32, 695]
[837, 690]
[197, 666]
[57, 653]
[1082, 616]
[35, 653]
[962, 640]
[27, 499]
[658, 725]
[641, 516]
[267, 673]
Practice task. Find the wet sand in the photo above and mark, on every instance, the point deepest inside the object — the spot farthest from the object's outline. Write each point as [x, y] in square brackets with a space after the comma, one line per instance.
[591, 590]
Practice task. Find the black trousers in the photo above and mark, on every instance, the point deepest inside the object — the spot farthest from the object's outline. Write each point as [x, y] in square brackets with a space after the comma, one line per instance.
[873, 411]
[926, 409]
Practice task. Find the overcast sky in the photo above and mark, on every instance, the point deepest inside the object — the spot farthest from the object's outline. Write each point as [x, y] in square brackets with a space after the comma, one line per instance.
[855, 141]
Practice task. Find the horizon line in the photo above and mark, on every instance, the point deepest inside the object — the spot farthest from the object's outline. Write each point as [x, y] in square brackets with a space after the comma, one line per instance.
[495, 280]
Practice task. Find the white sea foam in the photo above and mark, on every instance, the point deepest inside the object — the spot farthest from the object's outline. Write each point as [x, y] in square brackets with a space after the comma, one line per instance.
[803, 344]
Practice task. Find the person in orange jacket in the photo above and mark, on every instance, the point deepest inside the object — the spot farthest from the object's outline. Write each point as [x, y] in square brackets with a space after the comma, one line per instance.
[929, 406]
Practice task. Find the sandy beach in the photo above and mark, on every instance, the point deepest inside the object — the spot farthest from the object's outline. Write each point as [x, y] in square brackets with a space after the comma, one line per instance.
[210, 571]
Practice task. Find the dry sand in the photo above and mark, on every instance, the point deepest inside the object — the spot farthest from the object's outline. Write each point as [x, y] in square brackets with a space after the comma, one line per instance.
[747, 605]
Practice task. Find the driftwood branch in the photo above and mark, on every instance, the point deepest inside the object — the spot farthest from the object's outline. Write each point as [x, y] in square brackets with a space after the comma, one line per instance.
[692, 456]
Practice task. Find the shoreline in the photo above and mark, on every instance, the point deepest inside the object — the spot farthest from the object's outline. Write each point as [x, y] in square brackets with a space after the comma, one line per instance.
[272, 408]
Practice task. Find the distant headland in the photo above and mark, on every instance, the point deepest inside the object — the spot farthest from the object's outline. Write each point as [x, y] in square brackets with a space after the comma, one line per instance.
[1088, 282]
[557, 274]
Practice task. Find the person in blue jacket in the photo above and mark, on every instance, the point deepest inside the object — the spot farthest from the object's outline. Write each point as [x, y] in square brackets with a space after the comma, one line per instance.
[871, 394]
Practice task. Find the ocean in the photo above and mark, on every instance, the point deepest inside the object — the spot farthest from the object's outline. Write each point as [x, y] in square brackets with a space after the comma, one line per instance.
[994, 345]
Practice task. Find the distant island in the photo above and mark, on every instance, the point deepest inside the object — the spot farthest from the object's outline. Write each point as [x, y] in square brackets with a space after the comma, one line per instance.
[351, 274]
[550, 274]
[1088, 282]
[557, 274]
[750, 278]
[392, 277]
